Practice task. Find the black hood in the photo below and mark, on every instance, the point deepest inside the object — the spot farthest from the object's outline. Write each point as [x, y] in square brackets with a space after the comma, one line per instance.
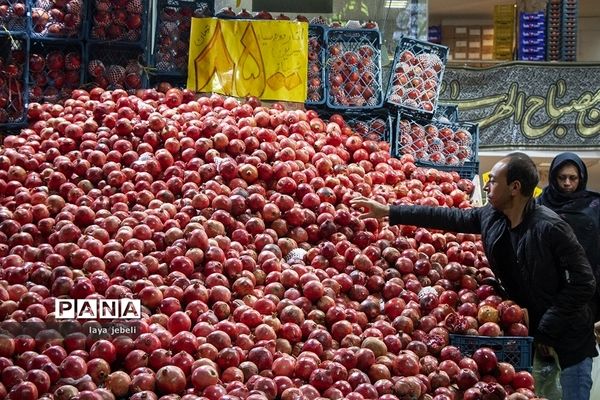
[564, 158]
[557, 200]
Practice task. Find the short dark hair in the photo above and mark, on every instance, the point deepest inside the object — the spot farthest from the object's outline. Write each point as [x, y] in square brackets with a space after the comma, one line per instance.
[520, 167]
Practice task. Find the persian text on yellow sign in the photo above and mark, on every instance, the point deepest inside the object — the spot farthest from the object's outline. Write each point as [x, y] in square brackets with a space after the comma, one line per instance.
[266, 59]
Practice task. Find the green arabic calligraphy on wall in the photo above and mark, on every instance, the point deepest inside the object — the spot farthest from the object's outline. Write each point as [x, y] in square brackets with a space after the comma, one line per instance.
[528, 105]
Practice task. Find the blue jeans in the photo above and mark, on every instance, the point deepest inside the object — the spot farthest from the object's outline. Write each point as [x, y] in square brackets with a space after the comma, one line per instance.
[576, 381]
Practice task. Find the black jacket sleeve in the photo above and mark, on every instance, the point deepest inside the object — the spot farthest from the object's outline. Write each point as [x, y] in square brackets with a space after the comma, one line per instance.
[580, 284]
[449, 219]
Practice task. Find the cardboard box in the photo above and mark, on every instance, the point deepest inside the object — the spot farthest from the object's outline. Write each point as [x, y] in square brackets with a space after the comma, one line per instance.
[461, 31]
[461, 44]
[474, 44]
[487, 32]
[475, 30]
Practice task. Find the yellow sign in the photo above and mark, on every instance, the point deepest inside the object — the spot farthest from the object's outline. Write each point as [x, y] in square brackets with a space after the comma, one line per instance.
[266, 59]
[485, 177]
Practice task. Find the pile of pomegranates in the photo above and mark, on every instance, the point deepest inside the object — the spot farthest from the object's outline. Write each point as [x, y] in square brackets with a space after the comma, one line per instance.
[230, 222]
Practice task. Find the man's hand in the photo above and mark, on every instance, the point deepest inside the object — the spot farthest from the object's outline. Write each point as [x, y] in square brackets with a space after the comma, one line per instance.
[374, 208]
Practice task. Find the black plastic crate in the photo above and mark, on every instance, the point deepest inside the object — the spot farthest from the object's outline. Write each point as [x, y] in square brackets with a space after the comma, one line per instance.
[446, 113]
[13, 87]
[515, 350]
[416, 76]
[353, 69]
[115, 66]
[13, 16]
[435, 143]
[55, 69]
[172, 34]
[175, 81]
[371, 125]
[316, 65]
[57, 20]
[118, 21]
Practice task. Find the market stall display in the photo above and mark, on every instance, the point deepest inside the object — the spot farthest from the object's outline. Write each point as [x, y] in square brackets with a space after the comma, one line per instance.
[118, 21]
[58, 19]
[316, 65]
[116, 66]
[13, 80]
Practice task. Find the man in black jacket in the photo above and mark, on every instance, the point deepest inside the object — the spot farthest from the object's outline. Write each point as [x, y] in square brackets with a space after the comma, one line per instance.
[534, 254]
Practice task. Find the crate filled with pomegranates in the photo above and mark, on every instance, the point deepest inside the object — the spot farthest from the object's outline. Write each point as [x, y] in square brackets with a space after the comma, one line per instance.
[118, 21]
[416, 76]
[13, 16]
[172, 35]
[353, 69]
[116, 66]
[435, 143]
[13, 78]
[55, 69]
[58, 19]
[316, 65]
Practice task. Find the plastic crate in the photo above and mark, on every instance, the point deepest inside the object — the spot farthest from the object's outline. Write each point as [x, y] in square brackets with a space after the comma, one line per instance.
[175, 81]
[316, 65]
[15, 18]
[515, 350]
[447, 111]
[55, 69]
[172, 33]
[107, 65]
[353, 69]
[374, 125]
[416, 76]
[13, 51]
[436, 143]
[69, 22]
[118, 22]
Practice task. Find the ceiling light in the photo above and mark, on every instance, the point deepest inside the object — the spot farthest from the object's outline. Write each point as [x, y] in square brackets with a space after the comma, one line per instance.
[397, 3]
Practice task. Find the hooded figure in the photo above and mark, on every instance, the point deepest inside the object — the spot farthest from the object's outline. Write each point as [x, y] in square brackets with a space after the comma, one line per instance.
[579, 207]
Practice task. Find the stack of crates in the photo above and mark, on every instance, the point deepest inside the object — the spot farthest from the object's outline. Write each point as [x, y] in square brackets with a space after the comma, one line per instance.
[504, 31]
[532, 36]
[56, 57]
[117, 37]
[553, 18]
[569, 30]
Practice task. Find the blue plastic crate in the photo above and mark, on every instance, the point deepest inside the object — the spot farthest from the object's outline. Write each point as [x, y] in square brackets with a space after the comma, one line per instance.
[533, 41]
[172, 24]
[416, 76]
[48, 83]
[316, 95]
[15, 18]
[131, 58]
[126, 24]
[14, 50]
[435, 143]
[537, 16]
[515, 350]
[353, 69]
[70, 23]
